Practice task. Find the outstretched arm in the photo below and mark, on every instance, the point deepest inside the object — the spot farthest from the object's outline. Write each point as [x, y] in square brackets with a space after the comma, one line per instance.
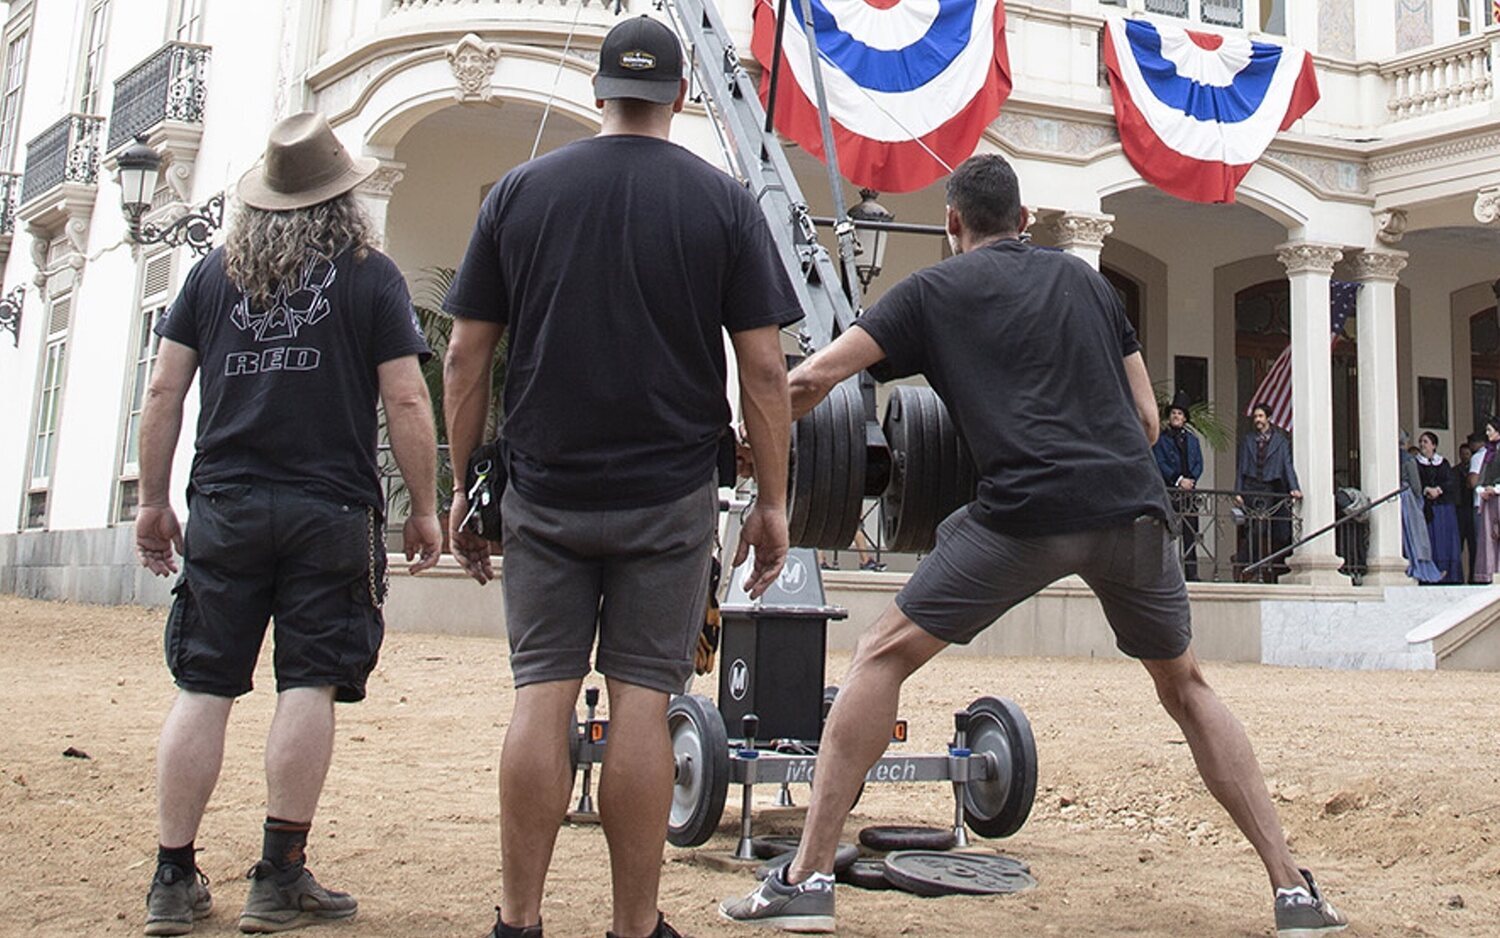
[850, 353]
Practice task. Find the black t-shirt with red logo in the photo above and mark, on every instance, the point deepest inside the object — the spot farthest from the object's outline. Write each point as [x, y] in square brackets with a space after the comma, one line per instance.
[288, 391]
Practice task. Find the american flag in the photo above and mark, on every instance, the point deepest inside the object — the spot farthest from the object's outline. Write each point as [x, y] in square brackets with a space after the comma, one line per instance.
[1276, 388]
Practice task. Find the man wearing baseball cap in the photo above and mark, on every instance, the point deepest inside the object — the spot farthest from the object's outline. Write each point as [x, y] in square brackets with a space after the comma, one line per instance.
[295, 329]
[615, 264]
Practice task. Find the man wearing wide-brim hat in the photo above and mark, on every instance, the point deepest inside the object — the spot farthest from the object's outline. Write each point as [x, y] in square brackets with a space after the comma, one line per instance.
[1179, 456]
[296, 329]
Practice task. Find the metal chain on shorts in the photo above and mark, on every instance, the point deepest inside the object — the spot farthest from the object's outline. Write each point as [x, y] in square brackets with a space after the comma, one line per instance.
[378, 588]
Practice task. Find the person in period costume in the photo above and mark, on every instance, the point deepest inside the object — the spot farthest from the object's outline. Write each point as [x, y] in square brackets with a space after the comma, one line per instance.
[1415, 546]
[1441, 494]
[1484, 476]
[1264, 479]
[1180, 459]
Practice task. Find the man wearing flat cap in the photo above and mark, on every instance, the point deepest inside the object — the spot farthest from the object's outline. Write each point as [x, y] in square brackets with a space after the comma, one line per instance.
[616, 265]
[296, 329]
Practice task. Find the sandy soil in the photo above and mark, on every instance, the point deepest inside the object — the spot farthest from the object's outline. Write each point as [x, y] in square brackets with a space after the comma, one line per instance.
[1389, 785]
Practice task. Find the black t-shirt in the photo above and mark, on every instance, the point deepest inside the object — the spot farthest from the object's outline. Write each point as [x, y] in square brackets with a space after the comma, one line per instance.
[616, 263]
[289, 393]
[1026, 346]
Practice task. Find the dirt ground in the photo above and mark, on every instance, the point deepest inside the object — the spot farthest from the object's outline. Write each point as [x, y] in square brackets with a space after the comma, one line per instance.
[1389, 785]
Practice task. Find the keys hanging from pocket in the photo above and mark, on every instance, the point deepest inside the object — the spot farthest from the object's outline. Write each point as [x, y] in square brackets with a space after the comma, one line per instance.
[479, 494]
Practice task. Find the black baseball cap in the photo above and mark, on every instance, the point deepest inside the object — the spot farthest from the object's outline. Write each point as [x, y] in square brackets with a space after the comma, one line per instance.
[641, 59]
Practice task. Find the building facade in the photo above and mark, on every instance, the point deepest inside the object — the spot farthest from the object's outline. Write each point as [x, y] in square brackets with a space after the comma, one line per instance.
[1393, 180]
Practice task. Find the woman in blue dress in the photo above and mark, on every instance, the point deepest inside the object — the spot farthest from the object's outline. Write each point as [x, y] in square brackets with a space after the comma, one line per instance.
[1441, 495]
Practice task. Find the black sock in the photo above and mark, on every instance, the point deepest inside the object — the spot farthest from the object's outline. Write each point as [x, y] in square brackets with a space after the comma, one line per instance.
[285, 843]
[180, 857]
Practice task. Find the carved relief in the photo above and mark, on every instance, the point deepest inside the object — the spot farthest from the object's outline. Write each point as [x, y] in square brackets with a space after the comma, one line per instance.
[1309, 257]
[1048, 135]
[1413, 24]
[1336, 28]
[473, 63]
[1073, 229]
[1378, 265]
[1487, 205]
[383, 183]
[1390, 226]
[1328, 174]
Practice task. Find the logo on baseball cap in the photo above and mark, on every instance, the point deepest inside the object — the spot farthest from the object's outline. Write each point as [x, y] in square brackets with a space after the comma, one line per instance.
[641, 59]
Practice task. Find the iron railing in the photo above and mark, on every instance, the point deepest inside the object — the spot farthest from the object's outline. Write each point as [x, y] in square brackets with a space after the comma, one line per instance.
[68, 151]
[171, 85]
[10, 198]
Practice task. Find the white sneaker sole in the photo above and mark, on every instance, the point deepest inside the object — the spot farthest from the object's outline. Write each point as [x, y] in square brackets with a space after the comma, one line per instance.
[1309, 932]
[801, 924]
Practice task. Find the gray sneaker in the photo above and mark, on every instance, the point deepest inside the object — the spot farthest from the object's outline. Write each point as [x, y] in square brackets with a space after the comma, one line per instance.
[1304, 913]
[177, 899]
[273, 906]
[805, 907]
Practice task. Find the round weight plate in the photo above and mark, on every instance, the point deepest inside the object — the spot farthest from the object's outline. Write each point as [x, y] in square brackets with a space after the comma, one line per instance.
[849, 484]
[768, 848]
[800, 478]
[843, 858]
[907, 504]
[700, 750]
[886, 838]
[999, 730]
[866, 874]
[928, 873]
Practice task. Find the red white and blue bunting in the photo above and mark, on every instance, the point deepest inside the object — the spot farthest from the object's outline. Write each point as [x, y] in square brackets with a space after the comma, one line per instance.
[911, 84]
[1196, 110]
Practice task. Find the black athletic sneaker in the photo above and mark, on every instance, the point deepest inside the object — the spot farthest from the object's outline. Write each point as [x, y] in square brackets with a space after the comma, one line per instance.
[1304, 913]
[273, 906]
[503, 930]
[805, 907]
[663, 930]
[177, 899]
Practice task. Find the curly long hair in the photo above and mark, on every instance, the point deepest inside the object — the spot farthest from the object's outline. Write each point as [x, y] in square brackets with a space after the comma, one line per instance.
[265, 249]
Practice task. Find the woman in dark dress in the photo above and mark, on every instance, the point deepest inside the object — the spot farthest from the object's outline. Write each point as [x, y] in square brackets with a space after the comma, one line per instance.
[1441, 494]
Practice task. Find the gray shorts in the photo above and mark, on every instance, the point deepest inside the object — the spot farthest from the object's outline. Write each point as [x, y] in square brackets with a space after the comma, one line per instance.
[975, 574]
[637, 578]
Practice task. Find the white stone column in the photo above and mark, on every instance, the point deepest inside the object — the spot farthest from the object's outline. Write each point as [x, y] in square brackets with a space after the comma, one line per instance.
[375, 193]
[1309, 267]
[1079, 233]
[1379, 409]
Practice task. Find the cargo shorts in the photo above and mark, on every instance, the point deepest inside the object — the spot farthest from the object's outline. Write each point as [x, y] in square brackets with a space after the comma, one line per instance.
[254, 552]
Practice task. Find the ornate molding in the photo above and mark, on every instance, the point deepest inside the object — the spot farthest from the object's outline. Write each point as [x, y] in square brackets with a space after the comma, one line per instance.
[1078, 229]
[1390, 225]
[1330, 175]
[1074, 139]
[383, 183]
[473, 63]
[1300, 257]
[1380, 266]
[1439, 153]
[1487, 205]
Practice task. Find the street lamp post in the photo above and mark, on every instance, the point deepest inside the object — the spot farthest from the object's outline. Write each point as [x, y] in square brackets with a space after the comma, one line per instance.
[872, 254]
[140, 167]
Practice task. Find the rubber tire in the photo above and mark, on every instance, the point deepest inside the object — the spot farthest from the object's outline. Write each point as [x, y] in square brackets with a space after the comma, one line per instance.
[693, 713]
[888, 838]
[1022, 765]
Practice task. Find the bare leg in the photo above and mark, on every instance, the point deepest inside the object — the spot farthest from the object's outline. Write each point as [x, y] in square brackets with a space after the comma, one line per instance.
[1225, 760]
[858, 731]
[635, 797]
[188, 759]
[298, 751]
[535, 782]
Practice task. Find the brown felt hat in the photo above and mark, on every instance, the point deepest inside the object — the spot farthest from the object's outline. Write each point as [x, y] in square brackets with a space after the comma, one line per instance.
[304, 164]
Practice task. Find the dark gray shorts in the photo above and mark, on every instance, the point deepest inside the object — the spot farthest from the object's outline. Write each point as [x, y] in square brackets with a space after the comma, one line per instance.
[975, 574]
[638, 578]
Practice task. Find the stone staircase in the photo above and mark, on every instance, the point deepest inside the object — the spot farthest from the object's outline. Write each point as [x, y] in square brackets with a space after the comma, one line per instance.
[1407, 628]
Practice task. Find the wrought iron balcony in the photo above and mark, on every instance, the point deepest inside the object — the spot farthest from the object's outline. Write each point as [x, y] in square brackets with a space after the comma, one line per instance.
[171, 85]
[10, 197]
[68, 151]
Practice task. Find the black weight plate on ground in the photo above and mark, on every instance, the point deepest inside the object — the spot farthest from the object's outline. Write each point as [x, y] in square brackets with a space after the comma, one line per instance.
[843, 858]
[929, 873]
[886, 837]
[700, 747]
[770, 847]
[998, 807]
[800, 482]
[866, 874]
